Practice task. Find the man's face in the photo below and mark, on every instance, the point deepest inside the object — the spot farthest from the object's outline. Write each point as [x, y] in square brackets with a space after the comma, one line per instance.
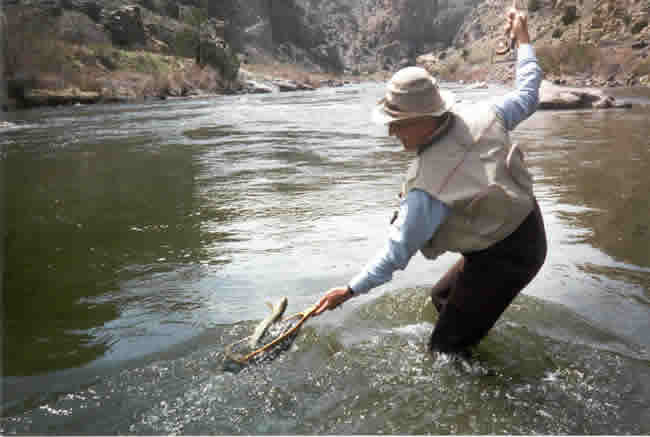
[411, 132]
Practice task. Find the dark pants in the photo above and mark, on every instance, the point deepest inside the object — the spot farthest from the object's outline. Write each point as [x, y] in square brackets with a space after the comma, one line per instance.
[474, 293]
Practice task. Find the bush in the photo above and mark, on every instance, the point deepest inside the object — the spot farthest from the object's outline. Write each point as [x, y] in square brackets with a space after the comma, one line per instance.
[569, 58]
[231, 67]
[185, 43]
[570, 15]
[449, 70]
[107, 56]
[478, 57]
[643, 68]
[31, 49]
[638, 26]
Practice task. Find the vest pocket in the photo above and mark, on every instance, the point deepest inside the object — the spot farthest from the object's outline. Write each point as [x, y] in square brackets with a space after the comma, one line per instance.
[517, 168]
[488, 211]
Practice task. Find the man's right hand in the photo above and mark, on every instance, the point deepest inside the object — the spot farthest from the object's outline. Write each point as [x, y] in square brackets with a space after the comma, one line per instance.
[517, 26]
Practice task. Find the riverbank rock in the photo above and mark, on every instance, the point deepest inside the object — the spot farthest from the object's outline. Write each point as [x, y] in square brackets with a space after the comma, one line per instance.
[553, 96]
[477, 86]
[292, 85]
[254, 87]
[39, 97]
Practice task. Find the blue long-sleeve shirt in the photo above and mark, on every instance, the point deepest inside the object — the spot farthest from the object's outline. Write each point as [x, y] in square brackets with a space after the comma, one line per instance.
[420, 214]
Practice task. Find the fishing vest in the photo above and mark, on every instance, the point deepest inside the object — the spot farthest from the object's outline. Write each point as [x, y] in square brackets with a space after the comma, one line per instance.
[480, 176]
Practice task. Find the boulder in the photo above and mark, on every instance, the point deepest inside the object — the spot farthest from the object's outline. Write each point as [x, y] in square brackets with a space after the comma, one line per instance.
[477, 86]
[253, 87]
[553, 96]
[292, 85]
[37, 97]
[332, 83]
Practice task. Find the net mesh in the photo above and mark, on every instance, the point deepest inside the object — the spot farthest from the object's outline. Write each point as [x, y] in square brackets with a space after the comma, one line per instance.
[277, 338]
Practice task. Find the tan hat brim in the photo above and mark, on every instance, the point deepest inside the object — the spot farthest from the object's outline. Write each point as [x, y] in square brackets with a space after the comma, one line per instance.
[381, 116]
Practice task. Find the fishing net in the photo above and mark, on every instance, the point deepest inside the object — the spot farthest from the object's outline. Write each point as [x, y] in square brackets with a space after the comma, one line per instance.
[277, 338]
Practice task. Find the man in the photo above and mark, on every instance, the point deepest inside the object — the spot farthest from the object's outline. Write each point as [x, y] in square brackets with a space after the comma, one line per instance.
[467, 191]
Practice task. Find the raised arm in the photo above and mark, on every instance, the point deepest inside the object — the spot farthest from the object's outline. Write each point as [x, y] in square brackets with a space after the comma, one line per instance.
[518, 105]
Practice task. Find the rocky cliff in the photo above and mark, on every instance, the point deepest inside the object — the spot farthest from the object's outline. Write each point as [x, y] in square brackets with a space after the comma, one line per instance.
[602, 41]
[91, 50]
[322, 35]
[341, 35]
[593, 42]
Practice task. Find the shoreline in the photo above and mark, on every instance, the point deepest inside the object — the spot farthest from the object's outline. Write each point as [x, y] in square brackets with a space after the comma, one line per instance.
[287, 78]
[250, 82]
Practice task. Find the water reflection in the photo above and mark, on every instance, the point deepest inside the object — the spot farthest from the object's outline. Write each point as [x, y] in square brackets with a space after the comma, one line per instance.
[593, 175]
[74, 219]
[600, 161]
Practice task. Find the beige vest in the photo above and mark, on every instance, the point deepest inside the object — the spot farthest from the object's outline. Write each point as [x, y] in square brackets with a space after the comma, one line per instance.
[475, 171]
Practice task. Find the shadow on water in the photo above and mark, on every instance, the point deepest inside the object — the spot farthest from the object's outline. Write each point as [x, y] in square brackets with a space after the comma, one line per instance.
[76, 217]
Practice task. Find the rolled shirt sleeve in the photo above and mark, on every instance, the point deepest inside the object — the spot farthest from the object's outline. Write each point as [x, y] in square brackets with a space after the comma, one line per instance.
[420, 216]
[519, 104]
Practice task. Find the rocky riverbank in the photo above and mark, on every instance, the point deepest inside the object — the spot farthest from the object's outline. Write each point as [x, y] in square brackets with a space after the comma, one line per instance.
[554, 94]
[85, 51]
[133, 87]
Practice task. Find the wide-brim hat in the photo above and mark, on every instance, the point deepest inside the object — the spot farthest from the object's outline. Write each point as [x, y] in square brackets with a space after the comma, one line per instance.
[411, 93]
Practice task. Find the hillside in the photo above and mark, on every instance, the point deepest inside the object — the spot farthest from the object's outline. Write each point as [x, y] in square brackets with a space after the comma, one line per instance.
[64, 51]
[592, 42]
[60, 51]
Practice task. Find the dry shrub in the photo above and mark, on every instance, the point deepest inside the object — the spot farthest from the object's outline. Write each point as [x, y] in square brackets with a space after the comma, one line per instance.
[204, 78]
[569, 58]
[86, 81]
[574, 58]
[125, 84]
[31, 49]
[449, 70]
[157, 85]
[643, 67]
[181, 82]
[291, 72]
[619, 60]
[479, 56]
[52, 81]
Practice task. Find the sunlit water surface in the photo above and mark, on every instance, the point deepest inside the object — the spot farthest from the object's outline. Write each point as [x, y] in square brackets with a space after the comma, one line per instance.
[143, 239]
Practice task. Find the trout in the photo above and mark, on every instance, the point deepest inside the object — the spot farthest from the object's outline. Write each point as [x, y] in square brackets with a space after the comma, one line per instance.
[276, 312]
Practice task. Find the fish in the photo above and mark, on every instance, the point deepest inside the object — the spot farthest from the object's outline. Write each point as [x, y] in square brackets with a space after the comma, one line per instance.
[277, 311]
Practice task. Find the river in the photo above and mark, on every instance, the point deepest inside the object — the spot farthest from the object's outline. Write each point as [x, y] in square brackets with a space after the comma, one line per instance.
[141, 239]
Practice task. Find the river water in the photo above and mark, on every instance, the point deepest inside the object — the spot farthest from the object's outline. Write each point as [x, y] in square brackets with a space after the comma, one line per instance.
[142, 239]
